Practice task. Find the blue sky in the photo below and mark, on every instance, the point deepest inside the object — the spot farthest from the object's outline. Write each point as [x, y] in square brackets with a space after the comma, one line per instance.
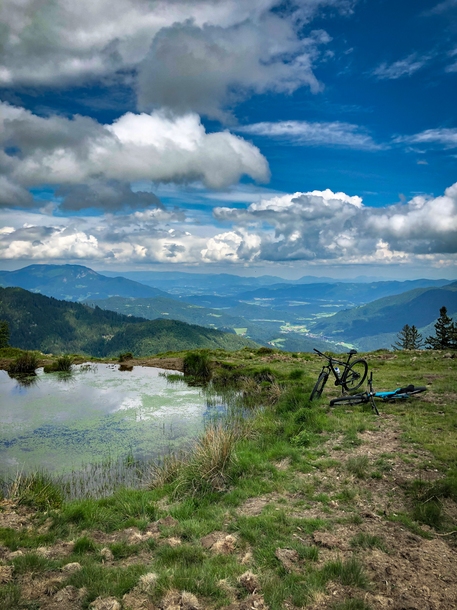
[300, 137]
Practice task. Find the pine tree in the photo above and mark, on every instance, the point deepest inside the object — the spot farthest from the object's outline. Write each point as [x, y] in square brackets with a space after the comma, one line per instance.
[403, 338]
[4, 334]
[416, 339]
[408, 338]
[445, 333]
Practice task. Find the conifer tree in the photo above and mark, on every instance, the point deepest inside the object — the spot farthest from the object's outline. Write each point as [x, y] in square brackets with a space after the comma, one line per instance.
[4, 334]
[445, 333]
[416, 339]
[408, 338]
[403, 338]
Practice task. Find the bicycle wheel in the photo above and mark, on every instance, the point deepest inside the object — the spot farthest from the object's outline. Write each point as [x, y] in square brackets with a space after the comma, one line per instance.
[355, 399]
[355, 375]
[319, 387]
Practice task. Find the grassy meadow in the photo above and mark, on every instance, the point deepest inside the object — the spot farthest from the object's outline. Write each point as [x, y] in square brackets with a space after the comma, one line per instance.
[284, 504]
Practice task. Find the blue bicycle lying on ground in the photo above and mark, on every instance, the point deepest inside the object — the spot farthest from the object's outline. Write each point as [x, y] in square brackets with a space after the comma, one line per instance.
[369, 396]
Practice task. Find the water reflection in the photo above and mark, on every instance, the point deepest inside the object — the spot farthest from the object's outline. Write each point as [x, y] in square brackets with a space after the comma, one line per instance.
[23, 382]
[58, 421]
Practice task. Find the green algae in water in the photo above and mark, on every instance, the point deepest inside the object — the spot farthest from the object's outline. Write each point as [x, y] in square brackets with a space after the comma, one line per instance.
[96, 415]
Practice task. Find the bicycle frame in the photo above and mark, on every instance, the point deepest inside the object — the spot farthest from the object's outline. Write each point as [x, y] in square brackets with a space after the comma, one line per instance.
[339, 376]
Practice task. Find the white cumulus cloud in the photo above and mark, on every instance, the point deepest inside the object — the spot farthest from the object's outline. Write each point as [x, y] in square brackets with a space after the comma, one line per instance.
[190, 56]
[155, 147]
[318, 227]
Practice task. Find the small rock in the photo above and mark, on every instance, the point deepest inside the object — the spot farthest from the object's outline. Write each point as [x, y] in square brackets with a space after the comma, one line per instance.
[249, 581]
[189, 601]
[67, 594]
[326, 540]
[288, 558]
[105, 603]
[148, 582]
[14, 554]
[167, 521]
[43, 551]
[208, 541]
[253, 602]
[174, 542]
[6, 574]
[171, 600]
[247, 558]
[52, 586]
[71, 568]
[224, 546]
[107, 554]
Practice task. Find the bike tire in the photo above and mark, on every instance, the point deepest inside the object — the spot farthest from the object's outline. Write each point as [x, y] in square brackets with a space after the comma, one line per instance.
[319, 386]
[355, 399]
[355, 375]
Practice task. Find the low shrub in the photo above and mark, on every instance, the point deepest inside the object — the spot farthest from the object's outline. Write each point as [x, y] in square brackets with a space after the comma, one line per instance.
[37, 490]
[24, 364]
[197, 364]
[63, 364]
[265, 350]
[125, 356]
[296, 373]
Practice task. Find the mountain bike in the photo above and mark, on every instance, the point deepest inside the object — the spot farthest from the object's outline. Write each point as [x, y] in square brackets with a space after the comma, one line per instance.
[369, 396]
[350, 378]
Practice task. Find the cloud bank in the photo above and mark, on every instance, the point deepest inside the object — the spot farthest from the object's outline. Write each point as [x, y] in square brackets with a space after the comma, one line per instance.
[155, 147]
[186, 56]
[315, 227]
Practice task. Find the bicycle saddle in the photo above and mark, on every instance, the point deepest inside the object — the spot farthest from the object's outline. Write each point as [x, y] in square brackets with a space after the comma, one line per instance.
[409, 388]
[352, 352]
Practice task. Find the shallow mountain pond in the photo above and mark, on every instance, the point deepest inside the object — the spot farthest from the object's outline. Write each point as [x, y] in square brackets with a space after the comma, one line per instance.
[97, 414]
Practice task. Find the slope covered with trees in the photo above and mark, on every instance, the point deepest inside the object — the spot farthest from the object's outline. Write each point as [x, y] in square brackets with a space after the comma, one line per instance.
[50, 325]
[386, 317]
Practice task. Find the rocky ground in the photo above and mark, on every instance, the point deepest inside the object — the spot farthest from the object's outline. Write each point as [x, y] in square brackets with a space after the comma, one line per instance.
[406, 570]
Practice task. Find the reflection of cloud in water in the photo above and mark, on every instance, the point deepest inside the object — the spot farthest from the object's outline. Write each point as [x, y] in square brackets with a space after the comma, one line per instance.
[61, 422]
[130, 402]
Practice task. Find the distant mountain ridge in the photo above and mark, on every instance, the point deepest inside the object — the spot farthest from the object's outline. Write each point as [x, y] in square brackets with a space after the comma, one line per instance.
[387, 316]
[74, 283]
[338, 291]
[54, 326]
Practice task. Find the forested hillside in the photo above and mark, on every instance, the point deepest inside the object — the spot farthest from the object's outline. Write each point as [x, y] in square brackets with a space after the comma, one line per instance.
[53, 326]
[368, 325]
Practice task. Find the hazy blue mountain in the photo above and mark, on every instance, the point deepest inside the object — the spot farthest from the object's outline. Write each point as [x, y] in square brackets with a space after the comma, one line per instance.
[279, 295]
[53, 326]
[376, 324]
[74, 283]
[177, 282]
